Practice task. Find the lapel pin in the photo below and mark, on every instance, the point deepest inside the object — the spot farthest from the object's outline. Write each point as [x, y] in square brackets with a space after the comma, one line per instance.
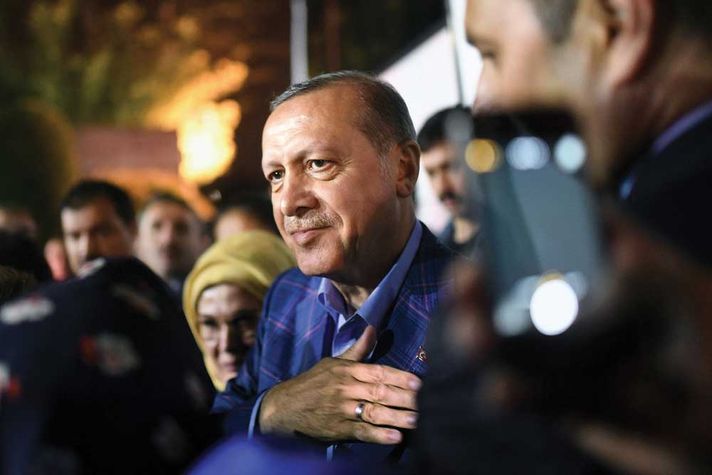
[422, 356]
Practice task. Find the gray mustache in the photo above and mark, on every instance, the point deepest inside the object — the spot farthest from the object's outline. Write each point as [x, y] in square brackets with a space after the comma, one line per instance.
[293, 224]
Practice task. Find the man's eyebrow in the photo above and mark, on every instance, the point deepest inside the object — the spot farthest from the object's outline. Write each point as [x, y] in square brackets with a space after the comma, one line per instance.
[306, 152]
[270, 164]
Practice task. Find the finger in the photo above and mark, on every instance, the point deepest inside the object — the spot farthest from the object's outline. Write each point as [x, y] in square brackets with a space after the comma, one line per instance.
[366, 432]
[384, 394]
[379, 415]
[360, 350]
[373, 373]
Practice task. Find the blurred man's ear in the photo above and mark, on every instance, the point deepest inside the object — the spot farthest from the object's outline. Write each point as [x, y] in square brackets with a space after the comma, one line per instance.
[408, 168]
[624, 37]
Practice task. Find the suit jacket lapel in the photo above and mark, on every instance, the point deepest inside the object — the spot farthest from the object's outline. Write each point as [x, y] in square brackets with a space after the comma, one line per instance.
[310, 329]
[401, 341]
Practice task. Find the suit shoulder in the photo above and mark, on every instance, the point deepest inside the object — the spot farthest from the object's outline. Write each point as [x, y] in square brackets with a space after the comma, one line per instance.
[293, 285]
[432, 249]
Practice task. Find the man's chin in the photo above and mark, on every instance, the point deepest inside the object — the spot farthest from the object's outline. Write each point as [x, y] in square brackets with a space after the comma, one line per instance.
[454, 208]
[312, 265]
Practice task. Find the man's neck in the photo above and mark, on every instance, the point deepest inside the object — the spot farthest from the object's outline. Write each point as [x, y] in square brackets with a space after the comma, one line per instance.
[463, 229]
[354, 296]
[640, 113]
[357, 287]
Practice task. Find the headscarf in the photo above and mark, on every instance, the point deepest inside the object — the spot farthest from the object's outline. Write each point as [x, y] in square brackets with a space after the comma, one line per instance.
[250, 260]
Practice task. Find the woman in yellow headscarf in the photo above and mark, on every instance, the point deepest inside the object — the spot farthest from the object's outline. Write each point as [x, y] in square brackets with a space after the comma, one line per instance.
[222, 297]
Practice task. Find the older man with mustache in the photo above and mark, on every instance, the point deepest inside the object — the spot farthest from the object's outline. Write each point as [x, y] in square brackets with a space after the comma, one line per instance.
[341, 343]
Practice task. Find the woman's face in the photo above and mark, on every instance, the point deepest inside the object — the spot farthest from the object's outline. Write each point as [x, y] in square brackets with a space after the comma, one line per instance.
[227, 321]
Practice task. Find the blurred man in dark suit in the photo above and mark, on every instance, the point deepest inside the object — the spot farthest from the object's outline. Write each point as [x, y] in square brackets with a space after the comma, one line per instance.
[638, 76]
[627, 388]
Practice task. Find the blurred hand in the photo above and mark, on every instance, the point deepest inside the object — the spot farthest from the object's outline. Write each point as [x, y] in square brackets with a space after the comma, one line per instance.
[321, 402]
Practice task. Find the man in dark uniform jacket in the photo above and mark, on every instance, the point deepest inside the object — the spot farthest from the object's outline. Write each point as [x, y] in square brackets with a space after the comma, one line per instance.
[101, 375]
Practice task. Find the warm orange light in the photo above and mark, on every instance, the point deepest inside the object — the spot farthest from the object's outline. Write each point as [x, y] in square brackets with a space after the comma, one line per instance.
[204, 125]
[205, 141]
[483, 156]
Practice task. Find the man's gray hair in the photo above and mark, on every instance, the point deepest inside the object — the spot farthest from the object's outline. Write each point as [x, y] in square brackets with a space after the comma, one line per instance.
[384, 117]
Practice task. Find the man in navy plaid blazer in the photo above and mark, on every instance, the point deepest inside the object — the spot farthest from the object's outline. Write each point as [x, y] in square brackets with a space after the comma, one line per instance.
[340, 346]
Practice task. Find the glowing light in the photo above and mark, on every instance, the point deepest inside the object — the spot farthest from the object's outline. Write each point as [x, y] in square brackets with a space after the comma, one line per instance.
[527, 153]
[553, 307]
[570, 153]
[483, 156]
[205, 141]
[204, 126]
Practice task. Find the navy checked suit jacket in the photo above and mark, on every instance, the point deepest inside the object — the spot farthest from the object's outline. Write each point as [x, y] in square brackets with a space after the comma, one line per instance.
[293, 331]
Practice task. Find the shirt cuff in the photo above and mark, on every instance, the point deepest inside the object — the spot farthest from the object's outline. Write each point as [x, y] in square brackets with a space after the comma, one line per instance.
[254, 427]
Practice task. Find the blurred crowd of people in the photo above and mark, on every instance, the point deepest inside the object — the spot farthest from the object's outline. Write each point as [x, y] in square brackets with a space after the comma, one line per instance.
[330, 331]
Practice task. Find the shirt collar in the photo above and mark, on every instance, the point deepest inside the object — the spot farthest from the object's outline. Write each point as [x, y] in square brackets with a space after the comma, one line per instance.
[682, 125]
[672, 133]
[380, 300]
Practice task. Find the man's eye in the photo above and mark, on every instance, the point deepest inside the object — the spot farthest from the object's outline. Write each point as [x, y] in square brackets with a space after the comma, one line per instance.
[275, 176]
[318, 165]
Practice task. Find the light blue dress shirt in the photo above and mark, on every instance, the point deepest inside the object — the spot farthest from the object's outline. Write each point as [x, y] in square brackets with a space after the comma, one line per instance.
[371, 312]
[349, 326]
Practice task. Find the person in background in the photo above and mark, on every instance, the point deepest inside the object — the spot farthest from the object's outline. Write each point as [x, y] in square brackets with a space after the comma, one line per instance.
[442, 158]
[14, 283]
[100, 374]
[17, 219]
[243, 213]
[98, 220]
[170, 238]
[21, 252]
[222, 297]
[23, 267]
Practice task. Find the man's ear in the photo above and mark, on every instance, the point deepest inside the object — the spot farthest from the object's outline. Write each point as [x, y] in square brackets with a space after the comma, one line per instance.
[408, 168]
[628, 28]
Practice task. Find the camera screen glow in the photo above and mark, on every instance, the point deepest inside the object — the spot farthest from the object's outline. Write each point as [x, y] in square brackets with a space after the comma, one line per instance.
[570, 153]
[527, 153]
[553, 307]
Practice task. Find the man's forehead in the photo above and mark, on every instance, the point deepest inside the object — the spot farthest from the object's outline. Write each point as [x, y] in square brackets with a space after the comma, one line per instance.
[167, 210]
[332, 102]
[96, 211]
[487, 20]
[442, 151]
[311, 121]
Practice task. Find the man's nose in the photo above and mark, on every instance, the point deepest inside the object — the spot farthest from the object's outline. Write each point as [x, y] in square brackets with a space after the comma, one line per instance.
[296, 196]
[486, 97]
[166, 235]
